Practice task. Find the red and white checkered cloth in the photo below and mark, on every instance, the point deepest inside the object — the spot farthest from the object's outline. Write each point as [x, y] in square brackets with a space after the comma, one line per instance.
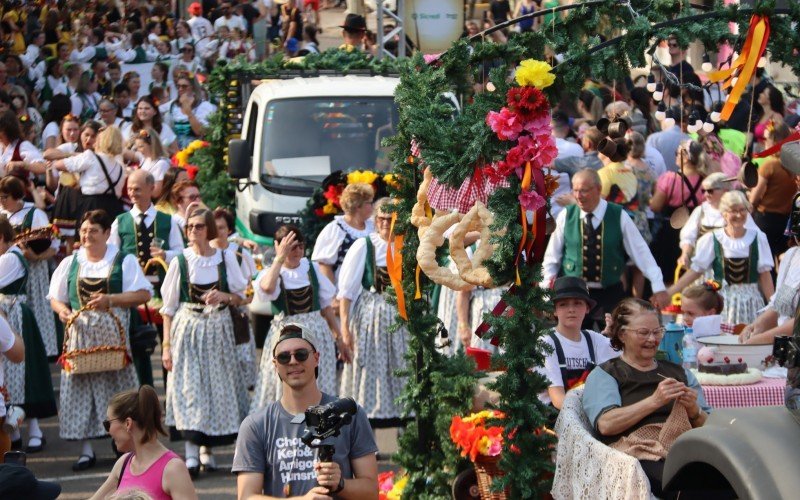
[767, 392]
[443, 197]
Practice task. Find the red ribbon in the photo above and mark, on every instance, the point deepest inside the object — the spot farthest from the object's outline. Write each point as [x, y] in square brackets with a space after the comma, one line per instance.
[777, 147]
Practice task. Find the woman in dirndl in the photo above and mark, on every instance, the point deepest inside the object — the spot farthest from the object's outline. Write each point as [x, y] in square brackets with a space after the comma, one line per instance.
[199, 344]
[28, 383]
[246, 352]
[92, 291]
[35, 240]
[300, 294]
[739, 258]
[102, 174]
[366, 318]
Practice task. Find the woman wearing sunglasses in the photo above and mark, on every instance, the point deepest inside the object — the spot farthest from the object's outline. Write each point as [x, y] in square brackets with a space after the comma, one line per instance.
[89, 289]
[366, 317]
[629, 395]
[199, 346]
[301, 294]
[134, 423]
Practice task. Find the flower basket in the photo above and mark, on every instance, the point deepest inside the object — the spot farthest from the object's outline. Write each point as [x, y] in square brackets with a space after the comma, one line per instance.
[101, 358]
[487, 469]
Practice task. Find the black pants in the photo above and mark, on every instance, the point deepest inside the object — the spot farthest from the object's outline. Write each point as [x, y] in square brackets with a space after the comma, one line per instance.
[607, 299]
[773, 224]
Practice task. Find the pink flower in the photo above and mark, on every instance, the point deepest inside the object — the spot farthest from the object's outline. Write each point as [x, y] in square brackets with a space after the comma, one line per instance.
[495, 448]
[506, 124]
[539, 125]
[531, 200]
[431, 58]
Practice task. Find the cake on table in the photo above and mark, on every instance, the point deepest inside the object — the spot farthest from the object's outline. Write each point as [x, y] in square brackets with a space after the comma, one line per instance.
[713, 371]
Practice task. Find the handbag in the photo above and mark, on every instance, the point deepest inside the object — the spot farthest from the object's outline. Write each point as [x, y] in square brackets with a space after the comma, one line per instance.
[241, 325]
[144, 337]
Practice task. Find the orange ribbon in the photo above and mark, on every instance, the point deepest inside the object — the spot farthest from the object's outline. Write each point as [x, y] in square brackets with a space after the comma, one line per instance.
[745, 64]
[526, 184]
[394, 265]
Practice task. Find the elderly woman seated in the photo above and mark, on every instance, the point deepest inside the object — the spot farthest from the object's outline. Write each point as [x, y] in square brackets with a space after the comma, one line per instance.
[639, 405]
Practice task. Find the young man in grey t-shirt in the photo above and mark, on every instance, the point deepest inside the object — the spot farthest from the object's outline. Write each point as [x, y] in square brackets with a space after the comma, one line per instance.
[270, 458]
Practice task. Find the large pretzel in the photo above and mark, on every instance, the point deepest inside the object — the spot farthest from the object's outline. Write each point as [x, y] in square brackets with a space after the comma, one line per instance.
[426, 253]
[419, 217]
[479, 218]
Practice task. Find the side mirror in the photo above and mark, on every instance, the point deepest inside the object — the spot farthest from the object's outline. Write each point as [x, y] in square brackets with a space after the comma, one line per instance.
[239, 161]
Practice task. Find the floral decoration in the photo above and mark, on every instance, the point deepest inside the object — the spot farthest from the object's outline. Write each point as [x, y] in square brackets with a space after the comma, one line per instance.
[388, 488]
[473, 437]
[535, 73]
[182, 159]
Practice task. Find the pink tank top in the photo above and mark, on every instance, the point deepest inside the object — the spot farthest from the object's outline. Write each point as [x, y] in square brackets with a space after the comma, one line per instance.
[150, 480]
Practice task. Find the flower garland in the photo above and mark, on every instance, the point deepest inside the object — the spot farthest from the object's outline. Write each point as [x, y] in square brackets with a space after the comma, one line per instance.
[473, 437]
[182, 158]
[388, 488]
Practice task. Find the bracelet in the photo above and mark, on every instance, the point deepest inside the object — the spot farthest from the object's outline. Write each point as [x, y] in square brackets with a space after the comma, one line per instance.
[338, 488]
[280, 260]
[165, 345]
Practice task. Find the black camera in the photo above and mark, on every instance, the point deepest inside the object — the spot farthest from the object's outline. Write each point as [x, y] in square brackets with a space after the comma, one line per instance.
[786, 351]
[324, 421]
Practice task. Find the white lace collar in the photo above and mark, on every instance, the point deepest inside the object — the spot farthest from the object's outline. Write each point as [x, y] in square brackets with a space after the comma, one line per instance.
[735, 243]
[107, 260]
[195, 260]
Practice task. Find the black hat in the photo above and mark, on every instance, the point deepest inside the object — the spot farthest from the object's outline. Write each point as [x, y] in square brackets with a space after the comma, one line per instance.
[570, 287]
[354, 23]
[17, 481]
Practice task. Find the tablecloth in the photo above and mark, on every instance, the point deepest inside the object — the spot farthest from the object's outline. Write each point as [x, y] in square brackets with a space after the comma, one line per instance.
[767, 392]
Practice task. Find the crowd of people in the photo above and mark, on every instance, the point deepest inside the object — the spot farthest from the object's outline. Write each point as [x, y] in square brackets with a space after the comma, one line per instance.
[100, 232]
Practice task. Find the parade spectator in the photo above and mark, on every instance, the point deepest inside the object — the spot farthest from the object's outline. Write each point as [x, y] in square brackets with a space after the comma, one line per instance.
[85, 98]
[589, 159]
[770, 100]
[670, 138]
[740, 260]
[60, 106]
[198, 347]
[184, 194]
[134, 423]
[698, 301]
[260, 461]
[201, 28]
[184, 37]
[108, 114]
[188, 114]
[172, 176]
[563, 134]
[148, 116]
[96, 280]
[354, 33]
[632, 391]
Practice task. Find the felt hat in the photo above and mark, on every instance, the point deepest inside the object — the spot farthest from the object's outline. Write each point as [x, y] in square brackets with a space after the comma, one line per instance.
[354, 23]
[571, 287]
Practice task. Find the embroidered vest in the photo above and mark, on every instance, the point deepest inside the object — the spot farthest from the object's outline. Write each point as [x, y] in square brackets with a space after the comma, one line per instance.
[300, 300]
[192, 293]
[374, 276]
[81, 289]
[736, 271]
[606, 251]
[131, 241]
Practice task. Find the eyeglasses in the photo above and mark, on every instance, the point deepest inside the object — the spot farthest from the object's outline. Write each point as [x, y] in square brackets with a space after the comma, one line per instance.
[708, 191]
[184, 86]
[107, 423]
[107, 110]
[644, 333]
[300, 355]
[195, 227]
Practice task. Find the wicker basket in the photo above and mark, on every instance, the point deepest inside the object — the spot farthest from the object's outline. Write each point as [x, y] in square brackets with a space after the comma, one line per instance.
[102, 358]
[486, 469]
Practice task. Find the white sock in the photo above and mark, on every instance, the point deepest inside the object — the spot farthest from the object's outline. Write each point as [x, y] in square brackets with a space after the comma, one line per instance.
[87, 450]
[33, 428]
[192, 450]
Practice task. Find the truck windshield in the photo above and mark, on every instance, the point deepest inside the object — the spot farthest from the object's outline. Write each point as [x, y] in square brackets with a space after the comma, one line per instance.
[308, 138]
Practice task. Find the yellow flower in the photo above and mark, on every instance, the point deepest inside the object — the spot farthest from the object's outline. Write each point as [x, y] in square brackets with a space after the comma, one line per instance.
[397, 490]
[330, 209]
[483, 445]
[196, 144]
[535, 73]
[391, 180]
[479, 417]
[182, 157]
[364, 176]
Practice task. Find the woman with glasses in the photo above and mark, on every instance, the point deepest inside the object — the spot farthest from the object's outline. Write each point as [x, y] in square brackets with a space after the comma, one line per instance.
[28, 383]
[188, 114]
[738, 257]
[147, 116]
[366, 316]
[630, 398]
[134, 423]
[89, 289]
[108, 114]
[183, 37]
[199, 345]
[301, 294]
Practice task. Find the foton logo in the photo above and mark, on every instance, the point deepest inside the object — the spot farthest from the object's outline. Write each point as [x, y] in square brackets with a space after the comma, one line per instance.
[288, 219]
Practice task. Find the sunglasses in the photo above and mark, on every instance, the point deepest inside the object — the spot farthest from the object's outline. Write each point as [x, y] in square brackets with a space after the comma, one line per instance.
[107, 423]
[300, 355]
[195, 227]
[708, 191]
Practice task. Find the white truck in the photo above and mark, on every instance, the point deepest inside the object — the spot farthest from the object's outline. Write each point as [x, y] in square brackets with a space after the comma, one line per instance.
[297, 131]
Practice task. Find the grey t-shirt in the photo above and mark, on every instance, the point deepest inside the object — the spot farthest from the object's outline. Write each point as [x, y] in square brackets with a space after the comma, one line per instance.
[269, 444]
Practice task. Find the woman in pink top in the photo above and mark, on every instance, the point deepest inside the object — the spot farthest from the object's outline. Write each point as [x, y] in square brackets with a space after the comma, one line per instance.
[134, 422]
[673, 190]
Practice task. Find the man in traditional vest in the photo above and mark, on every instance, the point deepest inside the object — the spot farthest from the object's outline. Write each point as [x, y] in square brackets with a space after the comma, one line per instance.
[593, 240]
[138, 232]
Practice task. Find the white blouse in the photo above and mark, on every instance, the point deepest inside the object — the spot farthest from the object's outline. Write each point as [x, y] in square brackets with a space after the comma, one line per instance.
[296, 278]
[133, 278]
[706, 215]
[201, 112]
[27, 151]
[326, 249]
[50, 130]
[39, 219]
[202, 271]
[157, 168]
[93, 180]
[167, 136]
[352, 269]
[11, 269]
[248, 265]
[732, 248]
[789, 276]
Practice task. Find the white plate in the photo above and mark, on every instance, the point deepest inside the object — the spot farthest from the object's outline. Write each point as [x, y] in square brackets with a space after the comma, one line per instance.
[728, 345]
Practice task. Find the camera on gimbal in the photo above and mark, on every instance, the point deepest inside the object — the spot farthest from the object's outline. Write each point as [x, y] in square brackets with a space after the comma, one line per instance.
[324, 421]
[786, 351]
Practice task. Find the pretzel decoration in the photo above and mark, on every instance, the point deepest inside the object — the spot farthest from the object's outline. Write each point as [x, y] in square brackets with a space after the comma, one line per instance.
[433, 238]
[419, 216]
[479, 218]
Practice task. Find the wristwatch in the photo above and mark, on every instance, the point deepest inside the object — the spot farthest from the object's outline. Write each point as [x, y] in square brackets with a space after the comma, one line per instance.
[338, 488]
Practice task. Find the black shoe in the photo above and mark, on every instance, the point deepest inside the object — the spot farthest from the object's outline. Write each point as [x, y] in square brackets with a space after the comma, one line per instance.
[194, 470]
[36, 449]
[16, 445]
[84, 465]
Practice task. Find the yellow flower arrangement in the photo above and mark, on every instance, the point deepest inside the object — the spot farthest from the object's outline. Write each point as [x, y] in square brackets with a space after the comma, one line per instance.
[391, 180]
[182, 156]
[396, 492]
[535, 73]
[364, 176]
[330, 209]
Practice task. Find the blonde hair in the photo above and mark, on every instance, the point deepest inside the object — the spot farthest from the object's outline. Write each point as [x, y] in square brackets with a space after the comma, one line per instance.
[132, 494]
[355, 195]
[156, 147]
[734, 199]
[109, 141]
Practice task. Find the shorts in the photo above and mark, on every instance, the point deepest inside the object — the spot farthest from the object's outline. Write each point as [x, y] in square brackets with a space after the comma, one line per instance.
[313, 3]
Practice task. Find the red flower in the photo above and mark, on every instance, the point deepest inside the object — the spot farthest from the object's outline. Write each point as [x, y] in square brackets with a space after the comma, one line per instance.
[319, 212]
[527, 102]
[333, 193]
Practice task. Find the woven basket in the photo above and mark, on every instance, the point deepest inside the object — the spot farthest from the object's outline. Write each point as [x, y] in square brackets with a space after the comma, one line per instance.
[486, 469]
[102, 358]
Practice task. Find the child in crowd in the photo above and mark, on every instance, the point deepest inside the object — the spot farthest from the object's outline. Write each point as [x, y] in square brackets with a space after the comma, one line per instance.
[702, 300]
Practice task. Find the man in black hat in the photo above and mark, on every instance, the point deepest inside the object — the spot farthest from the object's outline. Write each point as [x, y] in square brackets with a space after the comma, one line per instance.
[354, 32]
[17, 481]
[574, 351]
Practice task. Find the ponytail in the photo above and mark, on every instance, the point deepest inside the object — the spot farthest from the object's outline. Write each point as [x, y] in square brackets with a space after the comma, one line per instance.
[143, 407]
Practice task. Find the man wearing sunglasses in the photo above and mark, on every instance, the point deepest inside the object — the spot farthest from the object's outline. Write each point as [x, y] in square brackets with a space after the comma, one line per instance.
[272, 462]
